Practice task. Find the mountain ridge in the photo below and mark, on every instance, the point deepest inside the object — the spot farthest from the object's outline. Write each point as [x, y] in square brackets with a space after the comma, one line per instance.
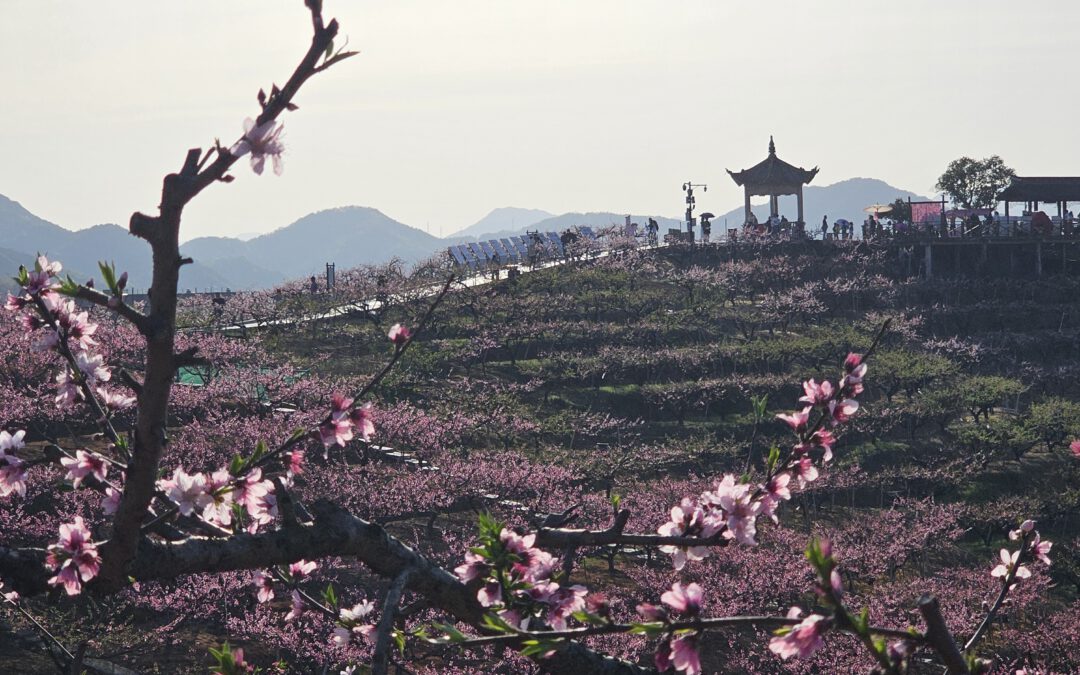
[349, 236]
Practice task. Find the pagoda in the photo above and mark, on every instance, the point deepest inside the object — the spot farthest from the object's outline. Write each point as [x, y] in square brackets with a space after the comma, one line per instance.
[773, 177]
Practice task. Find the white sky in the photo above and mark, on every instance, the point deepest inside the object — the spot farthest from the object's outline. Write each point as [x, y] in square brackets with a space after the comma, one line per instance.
[456, 107]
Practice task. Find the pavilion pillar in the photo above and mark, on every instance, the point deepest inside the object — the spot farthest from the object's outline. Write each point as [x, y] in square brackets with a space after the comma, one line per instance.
[774, 205]
[928, 255]
[1008, 229]
[801, 220]
[746, 194]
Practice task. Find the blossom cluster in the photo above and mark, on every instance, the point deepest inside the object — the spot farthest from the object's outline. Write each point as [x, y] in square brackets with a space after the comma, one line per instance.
[261, 141]
[731, 510]
[12, 469]
[75, 558]
[519, 582]
[345, 422]
[678, 649]
[217, 497]
[349, 620]
[59, 326]
[1031, 547]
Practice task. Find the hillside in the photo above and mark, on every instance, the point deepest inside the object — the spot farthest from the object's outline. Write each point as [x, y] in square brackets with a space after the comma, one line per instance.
[637, 376]
[612, 390]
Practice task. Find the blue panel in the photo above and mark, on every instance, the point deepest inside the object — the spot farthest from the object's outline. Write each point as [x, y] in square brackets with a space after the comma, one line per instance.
[478, 252]
[488, 251]
[510, 249]
[456, 252]
[500, 252]
[522, 248]
[553, 237]
[468, 256]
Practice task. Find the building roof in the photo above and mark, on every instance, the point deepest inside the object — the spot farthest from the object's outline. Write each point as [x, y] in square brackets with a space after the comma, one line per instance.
[773, 171]
[1042, 189]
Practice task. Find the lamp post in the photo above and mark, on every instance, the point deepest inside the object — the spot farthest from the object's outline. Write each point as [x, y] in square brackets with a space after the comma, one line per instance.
[688, 188]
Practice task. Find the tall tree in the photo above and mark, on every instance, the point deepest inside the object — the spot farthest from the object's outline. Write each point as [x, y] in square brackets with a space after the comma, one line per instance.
[975, 184]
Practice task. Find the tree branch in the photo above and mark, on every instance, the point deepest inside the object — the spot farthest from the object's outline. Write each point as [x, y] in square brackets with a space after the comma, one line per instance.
[380, 660]
[549, 537]
[137, 318]
[939, 637]
[162, 232]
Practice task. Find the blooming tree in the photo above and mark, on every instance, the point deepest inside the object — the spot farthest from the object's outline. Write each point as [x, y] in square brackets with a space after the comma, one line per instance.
[151, 499]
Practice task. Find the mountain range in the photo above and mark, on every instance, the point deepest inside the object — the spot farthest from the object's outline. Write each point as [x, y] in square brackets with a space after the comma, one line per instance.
[347, 236]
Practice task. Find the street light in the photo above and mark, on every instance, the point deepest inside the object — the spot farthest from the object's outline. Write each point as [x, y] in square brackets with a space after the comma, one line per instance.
[688, 188]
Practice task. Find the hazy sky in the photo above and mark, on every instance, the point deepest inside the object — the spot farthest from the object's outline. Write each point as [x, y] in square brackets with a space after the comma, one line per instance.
[454, 108]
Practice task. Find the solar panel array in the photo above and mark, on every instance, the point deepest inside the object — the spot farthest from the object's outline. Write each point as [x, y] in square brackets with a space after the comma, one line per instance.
[508, 250]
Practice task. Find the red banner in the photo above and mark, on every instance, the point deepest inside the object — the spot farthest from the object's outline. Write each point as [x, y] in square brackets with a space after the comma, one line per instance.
[926, 212]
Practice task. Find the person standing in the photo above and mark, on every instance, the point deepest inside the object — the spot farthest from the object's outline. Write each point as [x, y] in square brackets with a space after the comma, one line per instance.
[824, 227]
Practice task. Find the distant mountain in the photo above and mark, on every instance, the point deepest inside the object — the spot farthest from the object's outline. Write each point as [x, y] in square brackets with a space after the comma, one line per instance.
[348, 236]
[845, 199]
[24, 235]
[505, 219]
[23, 231]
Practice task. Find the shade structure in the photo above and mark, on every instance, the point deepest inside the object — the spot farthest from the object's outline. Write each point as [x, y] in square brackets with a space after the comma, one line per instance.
[773, 177]
[878, 208]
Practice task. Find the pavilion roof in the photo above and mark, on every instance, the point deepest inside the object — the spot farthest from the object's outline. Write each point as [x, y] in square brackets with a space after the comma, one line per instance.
[1042, 189]
[773, 171]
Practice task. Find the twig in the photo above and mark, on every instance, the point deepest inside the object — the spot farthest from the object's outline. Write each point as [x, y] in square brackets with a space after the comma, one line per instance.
[45, 631]
[700, 624]
[137, 318]
[380, 660]
[1006, 585]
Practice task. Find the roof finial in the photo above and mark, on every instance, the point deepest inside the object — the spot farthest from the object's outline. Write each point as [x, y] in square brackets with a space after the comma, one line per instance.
[772, 146]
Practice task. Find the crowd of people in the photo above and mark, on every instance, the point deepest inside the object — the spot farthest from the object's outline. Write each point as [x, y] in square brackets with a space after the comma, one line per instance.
[989, 224]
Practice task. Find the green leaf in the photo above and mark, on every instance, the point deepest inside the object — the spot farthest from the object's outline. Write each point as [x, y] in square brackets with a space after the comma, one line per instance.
[329, 49]
[760, 404]
[329, 596]
[69, 287]
[452, 633]
[616, 500]
[496, 623]
[651, 629]
[108, 275]
[774, 457]
[341, 56]
[537, 647]
[864, 620]
[399, 640]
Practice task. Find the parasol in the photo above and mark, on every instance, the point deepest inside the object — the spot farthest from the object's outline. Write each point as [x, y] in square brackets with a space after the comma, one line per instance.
[878, 208]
